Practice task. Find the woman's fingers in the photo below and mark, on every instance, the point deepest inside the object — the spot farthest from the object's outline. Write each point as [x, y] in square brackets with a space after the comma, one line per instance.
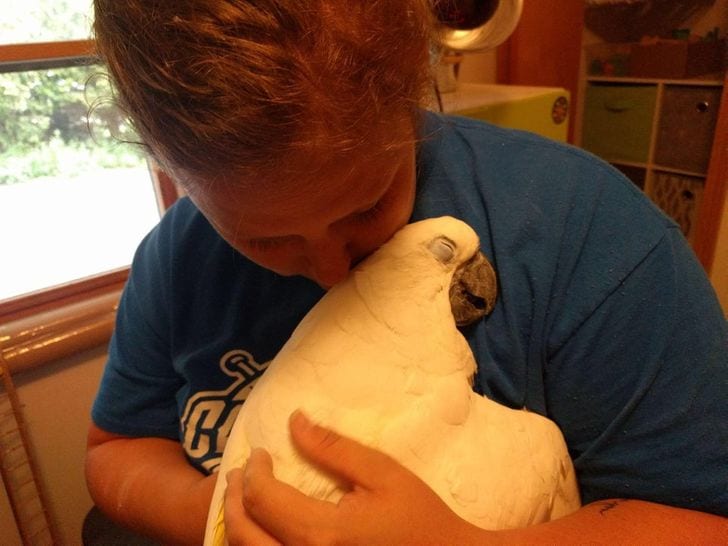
[343, 457]
[240, 530]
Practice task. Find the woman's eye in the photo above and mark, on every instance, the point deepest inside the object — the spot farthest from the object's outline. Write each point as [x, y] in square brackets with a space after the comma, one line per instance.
[370, 214]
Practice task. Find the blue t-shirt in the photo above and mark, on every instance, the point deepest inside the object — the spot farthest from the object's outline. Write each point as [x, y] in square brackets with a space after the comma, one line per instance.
[605, 322]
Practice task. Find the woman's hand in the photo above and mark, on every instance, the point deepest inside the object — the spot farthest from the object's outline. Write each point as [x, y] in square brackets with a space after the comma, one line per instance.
[385, 503]
[239, 528]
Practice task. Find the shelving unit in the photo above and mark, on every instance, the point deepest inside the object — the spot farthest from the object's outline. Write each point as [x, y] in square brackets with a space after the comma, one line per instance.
[658, 132]
[650, 89]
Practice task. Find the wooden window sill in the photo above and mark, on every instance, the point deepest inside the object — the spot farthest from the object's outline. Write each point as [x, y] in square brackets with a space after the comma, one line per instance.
[67, 327]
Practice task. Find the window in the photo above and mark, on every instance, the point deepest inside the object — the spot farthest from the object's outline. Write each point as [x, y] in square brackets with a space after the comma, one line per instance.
[75, 197]
[45, 20]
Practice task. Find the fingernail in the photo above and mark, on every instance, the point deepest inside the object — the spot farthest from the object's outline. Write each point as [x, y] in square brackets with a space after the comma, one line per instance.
[299, 420]
[231, 474]
[255, 454]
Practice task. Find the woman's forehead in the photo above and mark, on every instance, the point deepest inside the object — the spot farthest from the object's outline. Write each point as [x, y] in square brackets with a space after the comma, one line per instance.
[317, 173]
[360, 180]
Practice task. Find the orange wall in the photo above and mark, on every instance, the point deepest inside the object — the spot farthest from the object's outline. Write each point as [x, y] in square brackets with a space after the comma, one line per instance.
[545, 49]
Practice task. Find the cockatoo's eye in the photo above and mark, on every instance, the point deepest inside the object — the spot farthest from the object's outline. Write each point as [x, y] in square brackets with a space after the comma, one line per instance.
[443, 249]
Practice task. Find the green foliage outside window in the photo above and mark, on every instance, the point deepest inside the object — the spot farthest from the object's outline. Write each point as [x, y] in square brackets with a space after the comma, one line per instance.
[53, 121]
[56, 122]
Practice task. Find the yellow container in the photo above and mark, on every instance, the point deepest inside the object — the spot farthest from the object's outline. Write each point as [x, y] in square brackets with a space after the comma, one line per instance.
[541, 110]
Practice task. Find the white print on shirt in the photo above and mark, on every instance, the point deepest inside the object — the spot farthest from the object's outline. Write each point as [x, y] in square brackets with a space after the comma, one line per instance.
[209, 415]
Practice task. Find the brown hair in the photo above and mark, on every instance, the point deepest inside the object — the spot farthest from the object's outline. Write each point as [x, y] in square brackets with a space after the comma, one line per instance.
[215, 87]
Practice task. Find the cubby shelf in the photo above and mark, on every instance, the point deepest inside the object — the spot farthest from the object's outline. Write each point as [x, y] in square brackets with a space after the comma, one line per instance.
[709, 82]
[659, 132]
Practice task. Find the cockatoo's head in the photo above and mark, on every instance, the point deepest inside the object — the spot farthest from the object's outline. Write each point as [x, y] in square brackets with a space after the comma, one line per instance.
[426, 261]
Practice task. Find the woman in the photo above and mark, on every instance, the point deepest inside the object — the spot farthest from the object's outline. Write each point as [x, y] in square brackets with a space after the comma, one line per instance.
[297, 132]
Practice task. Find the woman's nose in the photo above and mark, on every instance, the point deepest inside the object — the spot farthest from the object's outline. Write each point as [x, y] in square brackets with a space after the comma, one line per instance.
[329, 260]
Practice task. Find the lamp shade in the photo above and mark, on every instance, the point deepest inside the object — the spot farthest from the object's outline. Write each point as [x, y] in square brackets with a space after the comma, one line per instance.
[477, 25]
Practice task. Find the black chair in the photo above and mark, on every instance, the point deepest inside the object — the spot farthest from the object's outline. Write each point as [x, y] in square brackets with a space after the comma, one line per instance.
[98, 530]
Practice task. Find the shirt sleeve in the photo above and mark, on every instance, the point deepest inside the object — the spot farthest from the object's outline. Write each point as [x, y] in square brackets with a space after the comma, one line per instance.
[137, 394]
[605, 322]
[640, 386]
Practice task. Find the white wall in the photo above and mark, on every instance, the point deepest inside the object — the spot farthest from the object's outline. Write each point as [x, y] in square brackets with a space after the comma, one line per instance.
[478, 68]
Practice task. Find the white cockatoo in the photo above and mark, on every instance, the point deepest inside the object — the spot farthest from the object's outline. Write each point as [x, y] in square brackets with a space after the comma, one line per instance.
[380, 359]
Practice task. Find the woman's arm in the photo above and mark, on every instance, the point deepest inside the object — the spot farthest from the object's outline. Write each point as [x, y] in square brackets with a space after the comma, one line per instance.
[621, 521]
[148, 485]
[387, 504]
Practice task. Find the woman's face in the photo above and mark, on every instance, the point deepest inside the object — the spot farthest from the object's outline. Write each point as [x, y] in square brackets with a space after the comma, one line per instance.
[320, 226]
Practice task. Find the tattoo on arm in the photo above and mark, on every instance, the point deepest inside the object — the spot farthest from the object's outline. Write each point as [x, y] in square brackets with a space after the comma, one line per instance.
[607, 506]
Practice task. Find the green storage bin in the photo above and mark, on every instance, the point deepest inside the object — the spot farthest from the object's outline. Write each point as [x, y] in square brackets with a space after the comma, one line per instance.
[618, 121]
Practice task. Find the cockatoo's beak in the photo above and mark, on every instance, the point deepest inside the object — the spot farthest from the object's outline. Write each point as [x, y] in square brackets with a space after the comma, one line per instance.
[473, 290]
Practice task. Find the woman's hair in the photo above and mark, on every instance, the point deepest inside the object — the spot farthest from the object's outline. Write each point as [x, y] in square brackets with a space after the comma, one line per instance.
[219, 87]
